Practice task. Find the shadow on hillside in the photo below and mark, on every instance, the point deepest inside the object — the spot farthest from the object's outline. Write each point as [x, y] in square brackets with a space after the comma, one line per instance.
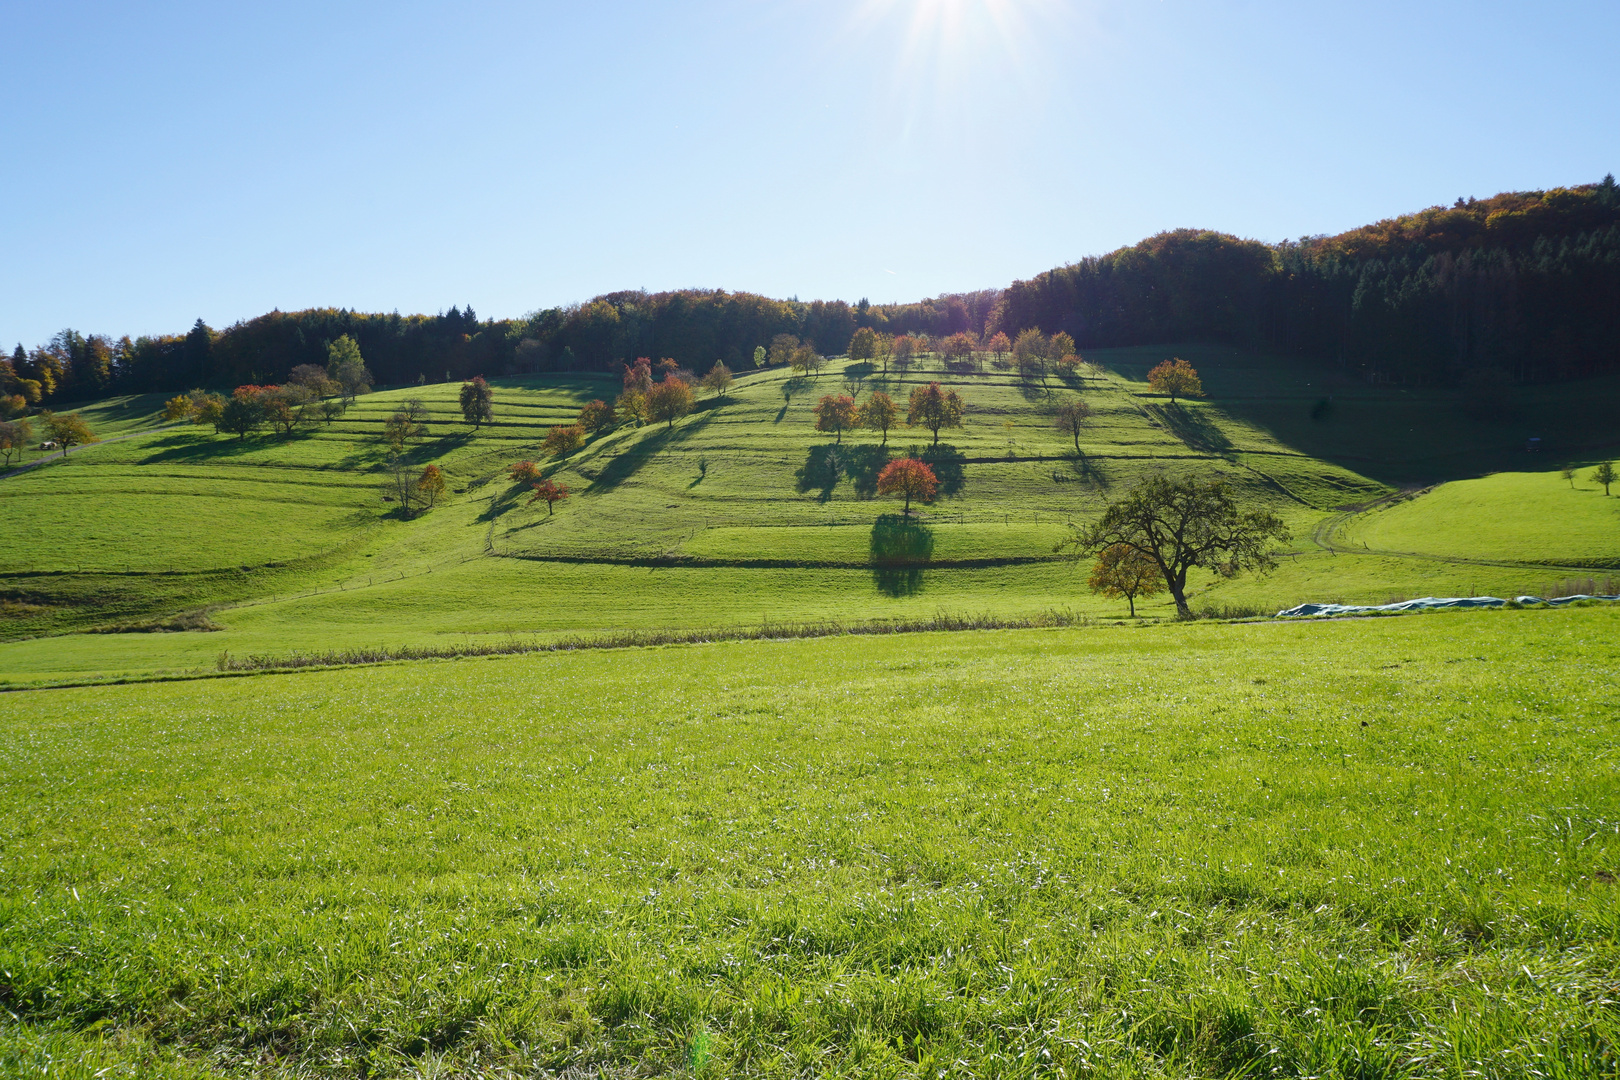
[949, 465]
[825, 465]
[202, 447]
[795, 384]
[1081, 470]
[900, 548]
[1191, 426]
[629, 461]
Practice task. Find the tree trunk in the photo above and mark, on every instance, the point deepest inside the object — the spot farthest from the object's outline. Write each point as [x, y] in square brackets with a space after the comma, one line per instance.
[1178, 590]
[1130, 598]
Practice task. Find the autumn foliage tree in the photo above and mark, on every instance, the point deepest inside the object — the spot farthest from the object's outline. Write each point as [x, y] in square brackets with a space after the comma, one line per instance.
[879, 414]
[999, 346]
[430, 485]
[523, 472]
[563, 440]
[15, 435]
[1182, 524]
[1177, 378]
[904, 351]
[934, 407]
[1071, 417]
[669, 401]
[909, 478]
[718, 379]
[1121, 570]
[477, 402]
[863, 344]
[595, 415]
[549, 492]
[835, 413]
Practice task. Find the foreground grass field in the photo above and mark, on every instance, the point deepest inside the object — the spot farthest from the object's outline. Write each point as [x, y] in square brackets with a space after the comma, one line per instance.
[1373, 848]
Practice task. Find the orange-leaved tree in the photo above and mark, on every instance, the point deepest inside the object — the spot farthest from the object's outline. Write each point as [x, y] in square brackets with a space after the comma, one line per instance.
[1177, 378]
[431, 484]
[934, 407]
[595, 415]
[910, 478]
[669, 401]
[523, 472]
[549, 491]
[999, 346]
[879, 413]
[564, 439]
[835, 413]
[1122, 570]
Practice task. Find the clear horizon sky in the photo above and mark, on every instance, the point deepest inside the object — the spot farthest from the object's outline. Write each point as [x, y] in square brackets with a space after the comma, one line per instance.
[169, 161]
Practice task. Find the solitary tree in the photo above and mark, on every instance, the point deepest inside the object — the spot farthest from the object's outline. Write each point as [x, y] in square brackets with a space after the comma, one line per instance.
[523, 472]
[400, 430]
[863, 345]
[759, 356]
[1124, 571]
[999, 346]
[331, 409]
[430, 485]
[564, 440]
[1031, 345]
[1177, 378]
[718, 379]
[958, 349]
[1071, 417]
[595, 415]
[904, 351]
[934, 407]
[242, 413]
[835, 413]
[15, 435]
[477, 402]
[1060, 347]
[345, 367]
[879, 413]
[1180, 524]
[910, 478]
[551, 493]
[1605, 475]
[1568, 473]
[669, 401]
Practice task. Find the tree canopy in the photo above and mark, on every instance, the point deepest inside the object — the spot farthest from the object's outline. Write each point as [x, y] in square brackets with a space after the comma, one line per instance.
[934, 407]
[1181, 524]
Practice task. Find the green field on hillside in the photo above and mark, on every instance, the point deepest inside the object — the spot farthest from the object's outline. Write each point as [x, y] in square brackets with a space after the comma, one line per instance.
[743, 513]
[1376, 848]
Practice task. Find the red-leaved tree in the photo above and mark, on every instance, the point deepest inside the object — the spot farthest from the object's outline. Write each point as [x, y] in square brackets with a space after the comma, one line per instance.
[552, 492]
[910, 478]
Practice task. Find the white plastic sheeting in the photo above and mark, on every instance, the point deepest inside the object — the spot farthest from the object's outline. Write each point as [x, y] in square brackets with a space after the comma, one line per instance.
[1429, 603]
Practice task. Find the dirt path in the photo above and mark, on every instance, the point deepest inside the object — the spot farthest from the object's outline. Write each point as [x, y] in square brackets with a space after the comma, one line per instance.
[37, 462]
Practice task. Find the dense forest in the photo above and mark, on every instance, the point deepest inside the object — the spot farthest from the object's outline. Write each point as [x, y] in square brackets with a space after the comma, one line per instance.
[1522, 286]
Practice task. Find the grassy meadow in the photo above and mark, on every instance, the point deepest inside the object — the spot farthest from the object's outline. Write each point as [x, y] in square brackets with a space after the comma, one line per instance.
[742, 513]
[1371, 848]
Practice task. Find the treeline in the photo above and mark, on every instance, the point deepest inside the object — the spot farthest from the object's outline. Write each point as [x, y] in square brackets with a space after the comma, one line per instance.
[1524, 286]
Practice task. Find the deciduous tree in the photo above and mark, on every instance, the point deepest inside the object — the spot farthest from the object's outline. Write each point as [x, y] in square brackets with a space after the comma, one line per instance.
[879, 413]
[934, 407]
[999, 346]
[315, 379]
[67, 431]
[669, 401]
[835, 413]
[595, 415]
[1121, 570]
[430, 485]
[477, 402]
[909, 478]
[1180, 524]
[564, 440]
[242, 413]
[904, 351]
[1605, 475]
[523, 472]
[400, 430]
[550, 493]
[1176, 378]
[346, 368]
[783, 346]
[759, 356]
[1071, 416]
[718, 379]
[15, 436]
[863, 344]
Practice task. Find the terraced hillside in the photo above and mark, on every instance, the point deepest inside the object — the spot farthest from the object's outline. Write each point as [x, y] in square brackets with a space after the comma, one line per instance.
[739, 514]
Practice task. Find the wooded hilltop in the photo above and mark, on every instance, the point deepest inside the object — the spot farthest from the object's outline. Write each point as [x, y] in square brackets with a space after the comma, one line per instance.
[1521, 287]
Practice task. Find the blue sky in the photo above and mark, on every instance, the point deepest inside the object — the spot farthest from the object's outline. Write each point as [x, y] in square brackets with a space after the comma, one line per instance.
[161, 162]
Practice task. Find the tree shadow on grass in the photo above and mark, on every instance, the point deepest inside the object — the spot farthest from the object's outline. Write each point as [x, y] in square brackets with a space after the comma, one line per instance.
[629, 461]
[901, 547]
[1191, 426]
[796, 384]
[825, 465]
[1082, 470]
[194, 447]
[949, 465]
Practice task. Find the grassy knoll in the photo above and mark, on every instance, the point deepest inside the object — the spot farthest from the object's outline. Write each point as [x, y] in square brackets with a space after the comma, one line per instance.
[740, 513]
[1371, 848]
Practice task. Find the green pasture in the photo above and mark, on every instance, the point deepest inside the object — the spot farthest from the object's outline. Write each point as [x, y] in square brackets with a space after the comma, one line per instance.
[742, 512]
[1375, 848]
[1526, 517]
